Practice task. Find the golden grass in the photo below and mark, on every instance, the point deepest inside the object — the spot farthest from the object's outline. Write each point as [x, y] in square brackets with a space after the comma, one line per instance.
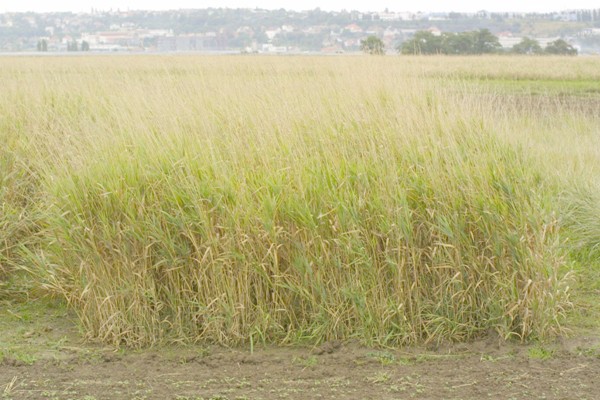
[234, 199]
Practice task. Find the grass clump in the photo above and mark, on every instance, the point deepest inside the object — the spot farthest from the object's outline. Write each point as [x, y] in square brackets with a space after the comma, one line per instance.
[207, 206]
[18, 193]
[540, 353]
[582, 221]
[438, 237]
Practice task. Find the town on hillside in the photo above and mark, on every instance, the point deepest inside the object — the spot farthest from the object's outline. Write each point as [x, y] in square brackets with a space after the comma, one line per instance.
[224, 30]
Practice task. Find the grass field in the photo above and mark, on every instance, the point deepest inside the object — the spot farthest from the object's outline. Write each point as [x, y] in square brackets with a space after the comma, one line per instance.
[245, 200]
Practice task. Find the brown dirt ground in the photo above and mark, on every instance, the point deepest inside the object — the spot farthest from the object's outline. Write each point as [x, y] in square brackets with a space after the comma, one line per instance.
[42, 357]
[485, 369]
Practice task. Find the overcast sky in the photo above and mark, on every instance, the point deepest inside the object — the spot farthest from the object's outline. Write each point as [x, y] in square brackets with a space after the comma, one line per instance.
[362, 5]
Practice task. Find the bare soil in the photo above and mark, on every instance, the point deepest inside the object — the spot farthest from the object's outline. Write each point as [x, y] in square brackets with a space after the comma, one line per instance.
[485, 369]
[42, 357]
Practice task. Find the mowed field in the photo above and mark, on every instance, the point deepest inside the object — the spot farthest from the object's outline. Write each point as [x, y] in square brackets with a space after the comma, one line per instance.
[345, 224]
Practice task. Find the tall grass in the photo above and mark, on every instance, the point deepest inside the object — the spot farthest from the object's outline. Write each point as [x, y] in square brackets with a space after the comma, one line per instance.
[283, 200]
[18, 193]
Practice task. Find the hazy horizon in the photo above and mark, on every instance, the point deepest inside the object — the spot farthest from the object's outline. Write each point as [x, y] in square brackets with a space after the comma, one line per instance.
[374, 5]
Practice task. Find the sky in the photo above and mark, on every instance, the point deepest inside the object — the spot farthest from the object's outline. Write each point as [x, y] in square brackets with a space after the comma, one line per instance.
[361, 5]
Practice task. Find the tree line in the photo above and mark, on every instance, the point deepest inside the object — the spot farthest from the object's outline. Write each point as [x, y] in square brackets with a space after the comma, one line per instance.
[466, 43]
[42, 45]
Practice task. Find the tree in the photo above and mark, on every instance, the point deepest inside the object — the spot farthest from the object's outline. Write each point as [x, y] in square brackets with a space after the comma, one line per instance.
[372, 45]
[457, 43]
[484, 42]
[72, 46]
[527, 46]
[423, 42]
[560, 47]
[475, 42]
[42, 45]
[85, 46]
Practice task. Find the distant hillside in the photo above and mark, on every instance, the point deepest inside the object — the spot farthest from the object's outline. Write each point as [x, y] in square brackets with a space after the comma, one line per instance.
[257, 30]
